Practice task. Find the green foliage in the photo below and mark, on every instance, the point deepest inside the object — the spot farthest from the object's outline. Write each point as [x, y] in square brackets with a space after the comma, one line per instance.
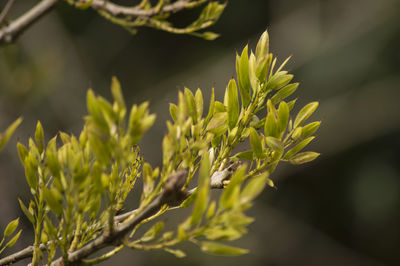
[79, 184]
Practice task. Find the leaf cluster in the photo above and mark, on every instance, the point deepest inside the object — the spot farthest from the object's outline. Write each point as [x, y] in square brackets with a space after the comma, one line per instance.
[80, 184]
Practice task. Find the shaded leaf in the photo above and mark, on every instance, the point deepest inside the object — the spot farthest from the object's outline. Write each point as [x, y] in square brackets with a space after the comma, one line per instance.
[255, 143]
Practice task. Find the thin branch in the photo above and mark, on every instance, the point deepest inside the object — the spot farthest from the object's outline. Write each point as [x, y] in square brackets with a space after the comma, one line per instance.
[5, 10]
[138, 11]
[10, 32]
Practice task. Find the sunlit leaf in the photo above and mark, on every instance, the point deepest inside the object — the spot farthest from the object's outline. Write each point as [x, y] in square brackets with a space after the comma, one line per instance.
[10, 228]
[305, 113]
[220, 249]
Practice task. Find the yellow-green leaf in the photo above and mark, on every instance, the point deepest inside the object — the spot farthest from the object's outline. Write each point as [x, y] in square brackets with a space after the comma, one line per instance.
[255, 143]
[4, 137]
[177, 252]
[13, 240]
[27, 213]
[242, 70]
[232, 102]
[253, 188]
[274, 143]
[305, 113]
[220, 249]
[304, 157]
[297, 148]
[10, 228]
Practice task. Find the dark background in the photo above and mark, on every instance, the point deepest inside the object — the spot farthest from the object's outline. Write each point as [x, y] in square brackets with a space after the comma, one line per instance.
[342, 209]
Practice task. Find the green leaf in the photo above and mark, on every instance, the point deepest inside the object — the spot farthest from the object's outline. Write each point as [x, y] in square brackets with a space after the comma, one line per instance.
[245, 155]
[242, 70]
[304, 157]
[310, 129]
[220, 249]
[284, 92]
[117, 93]
[297, 148]
[209, 36]
[305, 113]
[173, 109]
[13, 240]
[177, 252]
[262, 68]
[11, 228]
[27, 213]
[255, 143]
[211, 210]
[262, 48]
[271, 126]
[22, 152]
[54, 200]
[231, 193]
[198, 98]
[152, 232]
[39, 137]
[5, 137]
[200, 204]
[283, 116]
[255, 84]
[253, 188]
[211, 107]
[274, 143]
[278, 80]
[232, 102]
[191, 105]
[30, 171]
[218, 124]
[223, 233]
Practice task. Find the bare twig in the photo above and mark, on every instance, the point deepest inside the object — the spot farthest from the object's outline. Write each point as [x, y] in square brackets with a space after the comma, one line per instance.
[5, 10]
[10, 32]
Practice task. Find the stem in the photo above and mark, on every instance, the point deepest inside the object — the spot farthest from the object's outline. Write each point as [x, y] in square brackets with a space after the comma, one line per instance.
[9, 33]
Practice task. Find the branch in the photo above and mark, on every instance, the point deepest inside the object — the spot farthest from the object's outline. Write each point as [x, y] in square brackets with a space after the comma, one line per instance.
[11, 32]
[117, 10]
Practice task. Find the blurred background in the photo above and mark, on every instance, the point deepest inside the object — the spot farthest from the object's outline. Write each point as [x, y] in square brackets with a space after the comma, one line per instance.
[342, 209]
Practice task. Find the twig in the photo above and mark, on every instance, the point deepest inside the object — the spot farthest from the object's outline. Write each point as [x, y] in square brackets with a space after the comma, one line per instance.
[10, 32]
[5, 10]
[117, 10]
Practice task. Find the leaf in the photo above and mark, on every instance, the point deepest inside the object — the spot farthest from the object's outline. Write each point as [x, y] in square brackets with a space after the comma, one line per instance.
[211, 107]
[177, 252]
[284, 92]
[39, 137]
[22, 152]
[304, 113]
[5, 137]
[283, 116]
[191, 104]
[310, 129]
[30, 171]
[245, 155]
[173, 109]
[278, 80]
[231, 192]
[297, 148]
[255, 143]
[271, 126]
[200, 204]
[209, 36]
[253, 188]
[27, 213]
[220, 249]
[304, 157]
[152, 232]
[13, 240]
[10, 228]
[198, 97]
[242, 70]
[117, 93]
[262, 48]
[274, 143]
[218, 124]
[232, 103]
[54, 200]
